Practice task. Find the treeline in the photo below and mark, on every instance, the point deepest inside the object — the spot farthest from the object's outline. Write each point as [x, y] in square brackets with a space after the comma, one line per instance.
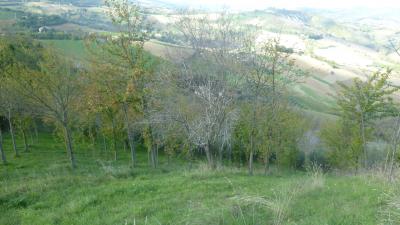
[27, 22]
[224, 97]
[58, 35]
[35, 21]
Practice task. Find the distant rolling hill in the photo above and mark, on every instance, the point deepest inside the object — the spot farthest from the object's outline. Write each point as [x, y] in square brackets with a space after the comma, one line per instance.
[330, 49]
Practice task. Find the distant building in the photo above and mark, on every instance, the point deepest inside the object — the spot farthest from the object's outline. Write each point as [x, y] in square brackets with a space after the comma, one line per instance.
[44, 29]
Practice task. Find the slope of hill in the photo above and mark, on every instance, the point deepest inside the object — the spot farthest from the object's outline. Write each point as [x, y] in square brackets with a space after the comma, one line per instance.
[328, 47]
[44, 190]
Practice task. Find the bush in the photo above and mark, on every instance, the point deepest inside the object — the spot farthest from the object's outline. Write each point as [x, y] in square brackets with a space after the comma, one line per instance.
[316, 36]
[342, 143]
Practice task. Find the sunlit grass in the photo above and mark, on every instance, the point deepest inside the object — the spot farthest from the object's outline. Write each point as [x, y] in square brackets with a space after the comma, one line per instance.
[40, 188]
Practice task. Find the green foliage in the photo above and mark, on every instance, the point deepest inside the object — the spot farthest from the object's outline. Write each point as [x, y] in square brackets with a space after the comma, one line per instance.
[359, 104]
[367, 100]
[289, 127]
[58, 35]
[343, 144]
[70, 48]
[274, 136]
[34, 21]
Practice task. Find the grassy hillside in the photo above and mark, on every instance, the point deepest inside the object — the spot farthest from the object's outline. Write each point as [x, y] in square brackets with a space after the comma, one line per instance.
[329, 49]
[71, 48]
[39, 188]
[302, 96]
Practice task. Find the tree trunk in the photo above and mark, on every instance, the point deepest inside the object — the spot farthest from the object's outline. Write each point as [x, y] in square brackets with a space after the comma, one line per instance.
[12, 134]
[68, 141]
[104, 142]
[251, 163]
[154, 156]
[230, 153]
[114, 139]
[190, 157]
[390, 159]
[26, 146]
[251, 155]
[31, 141]
[363, 141]
[220, 153]
[157, 151]
[266, 164]
[149, 157]
[92, 138]
[130, 136]
[36, 131]
[3, 155]
[209, 156]
[252, 134]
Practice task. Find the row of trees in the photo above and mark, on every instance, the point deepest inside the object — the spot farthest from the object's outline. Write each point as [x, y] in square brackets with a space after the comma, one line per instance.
[224, 94]
[222, 97]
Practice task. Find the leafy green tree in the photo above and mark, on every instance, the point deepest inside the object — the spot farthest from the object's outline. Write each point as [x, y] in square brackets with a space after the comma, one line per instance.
[128, 66]
[362, 102]
[17, 55]
[53, 89]
[269, 71]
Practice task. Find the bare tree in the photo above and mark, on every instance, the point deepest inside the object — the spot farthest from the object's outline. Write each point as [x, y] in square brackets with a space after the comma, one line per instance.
[209, 76]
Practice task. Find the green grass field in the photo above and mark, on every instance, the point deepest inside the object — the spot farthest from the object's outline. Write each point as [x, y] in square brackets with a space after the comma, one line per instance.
[6, 15]
[40, 188]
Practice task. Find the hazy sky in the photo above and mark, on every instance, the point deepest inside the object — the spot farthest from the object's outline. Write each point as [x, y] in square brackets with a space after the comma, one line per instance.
[291, 4]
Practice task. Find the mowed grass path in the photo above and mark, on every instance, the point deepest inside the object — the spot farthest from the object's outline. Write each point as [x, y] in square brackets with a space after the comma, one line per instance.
[39, 188]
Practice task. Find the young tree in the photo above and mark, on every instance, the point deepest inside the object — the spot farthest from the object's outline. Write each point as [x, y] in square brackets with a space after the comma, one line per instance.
[394, 142]
[364, 101]
[125, 59]
[269, 70]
